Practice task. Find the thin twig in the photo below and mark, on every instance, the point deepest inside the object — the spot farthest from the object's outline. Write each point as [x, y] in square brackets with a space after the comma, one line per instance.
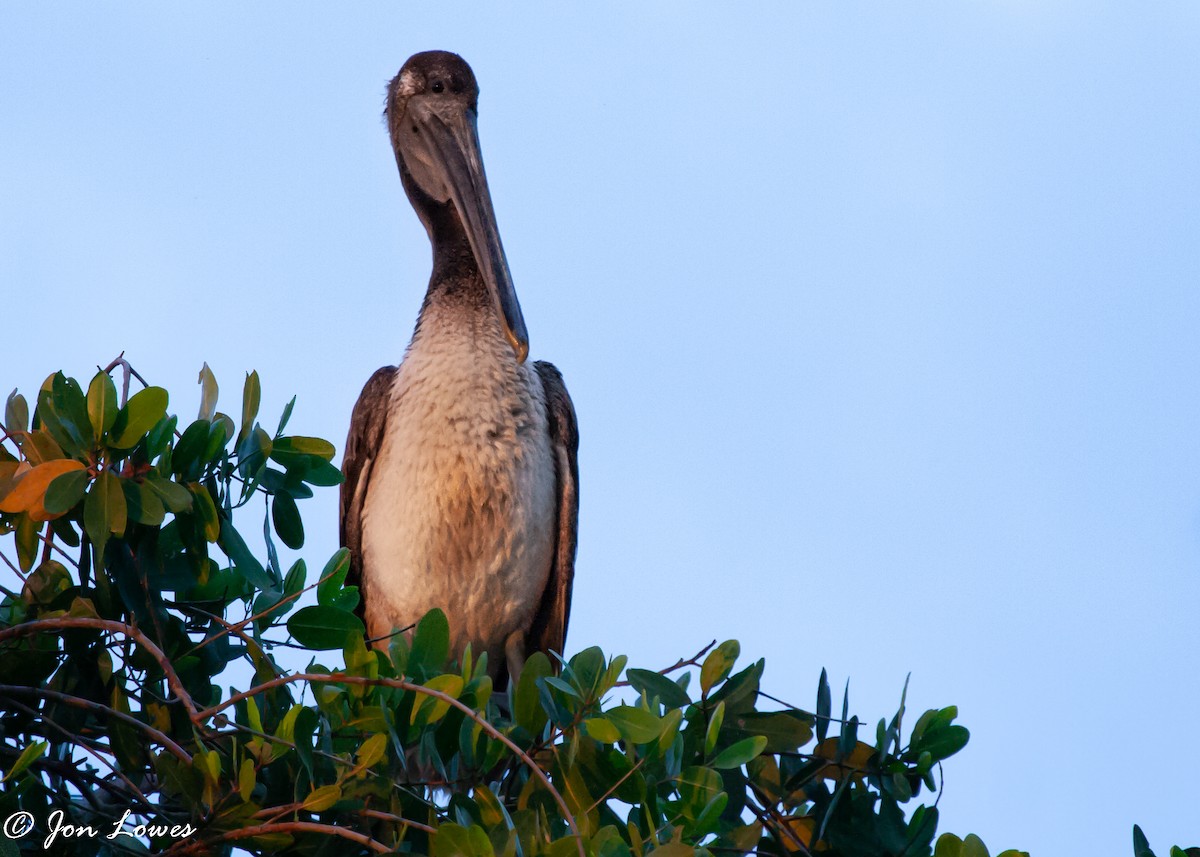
[48, 539]
[15, 570]
[396, 819]
[693, 661]
[279, 827]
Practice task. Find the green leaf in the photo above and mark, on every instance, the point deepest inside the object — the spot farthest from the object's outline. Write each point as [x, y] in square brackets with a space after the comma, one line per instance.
[175, 497]
[16, 413]
[28, 756]
[601, 730]
[27, 541]
[654, 684]
[718, 664]
[251, 395]
[373, 749]
[321, 627]
[944, 742]
[973, 847]
[287, 415]
[286, 518]
[70, 406]
[322, 474]
[143, 504]
[948, 845]
[736, 755]
[333, 576]
[208, 394]
[101, 403]
[140, 414]
[235, 548]
[286, 449]
[636, 725]
[65, 491]
[824, 703]
[714, 727]
[1141, 846]
[527, 709]
[104, 510]
[294, 580]
[429, 709]
[246, 776]
[206, 509]
[323, 798]
[785, 731]
[431, 642]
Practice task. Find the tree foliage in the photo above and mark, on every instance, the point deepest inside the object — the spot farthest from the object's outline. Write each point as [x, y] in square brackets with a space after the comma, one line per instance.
[135, 595]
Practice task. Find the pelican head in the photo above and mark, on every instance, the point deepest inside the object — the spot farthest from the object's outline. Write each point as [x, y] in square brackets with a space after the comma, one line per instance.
[431, 113]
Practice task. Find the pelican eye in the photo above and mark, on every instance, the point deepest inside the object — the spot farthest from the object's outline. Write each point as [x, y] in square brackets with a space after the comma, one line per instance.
[438, 86]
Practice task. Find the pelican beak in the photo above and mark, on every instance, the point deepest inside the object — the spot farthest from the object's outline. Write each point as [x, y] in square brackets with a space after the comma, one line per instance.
[454, 161]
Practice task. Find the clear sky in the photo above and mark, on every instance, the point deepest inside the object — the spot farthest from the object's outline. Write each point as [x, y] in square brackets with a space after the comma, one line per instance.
[881, 322]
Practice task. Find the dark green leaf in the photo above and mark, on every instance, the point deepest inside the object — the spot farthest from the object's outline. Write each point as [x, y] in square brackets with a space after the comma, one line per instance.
[286, 518]
[785, 731]
[144, 505]
[175, 497]
[431, 643]
[321, 627]
[322, 474]
[65, 491]
[655, 684]
[1141, 845]
[287, 415]
[104, 510]
[333, 576]
[527, 712]
[824, 703]
[247, 564]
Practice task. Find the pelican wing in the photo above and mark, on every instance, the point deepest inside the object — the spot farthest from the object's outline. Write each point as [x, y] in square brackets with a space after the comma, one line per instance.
[367, 425]
[549, 629]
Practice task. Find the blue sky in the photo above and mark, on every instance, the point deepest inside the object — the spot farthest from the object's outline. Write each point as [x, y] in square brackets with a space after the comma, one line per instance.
[880, 321]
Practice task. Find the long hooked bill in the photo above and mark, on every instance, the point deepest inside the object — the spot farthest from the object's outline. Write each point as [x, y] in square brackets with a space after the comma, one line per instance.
[454, 140]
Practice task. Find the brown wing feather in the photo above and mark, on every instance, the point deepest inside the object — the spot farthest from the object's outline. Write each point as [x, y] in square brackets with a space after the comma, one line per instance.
[549, 629]
[367, 425]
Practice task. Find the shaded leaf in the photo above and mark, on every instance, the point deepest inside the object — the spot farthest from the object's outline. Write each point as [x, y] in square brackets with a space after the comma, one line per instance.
[322, 627]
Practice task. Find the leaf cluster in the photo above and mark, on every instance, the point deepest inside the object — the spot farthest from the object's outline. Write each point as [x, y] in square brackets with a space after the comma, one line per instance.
[138, 596]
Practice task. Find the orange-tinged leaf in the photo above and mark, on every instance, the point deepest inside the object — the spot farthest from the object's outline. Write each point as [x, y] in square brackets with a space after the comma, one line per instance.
[28, 491]
[856, 762]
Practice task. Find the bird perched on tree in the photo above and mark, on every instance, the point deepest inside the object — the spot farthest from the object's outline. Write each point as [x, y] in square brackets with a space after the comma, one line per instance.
[461, 488]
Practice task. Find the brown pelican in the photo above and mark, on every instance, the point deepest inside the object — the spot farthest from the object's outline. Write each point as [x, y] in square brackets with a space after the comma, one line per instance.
[461, 476]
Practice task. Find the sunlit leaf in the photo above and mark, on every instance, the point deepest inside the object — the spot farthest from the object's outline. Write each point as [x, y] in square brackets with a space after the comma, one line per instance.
[141, 412]
[736, 755]
[718, 664]
[102, 403]
[208, 394]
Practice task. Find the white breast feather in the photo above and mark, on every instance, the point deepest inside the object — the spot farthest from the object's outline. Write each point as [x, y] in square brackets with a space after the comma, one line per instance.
[461, 512]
